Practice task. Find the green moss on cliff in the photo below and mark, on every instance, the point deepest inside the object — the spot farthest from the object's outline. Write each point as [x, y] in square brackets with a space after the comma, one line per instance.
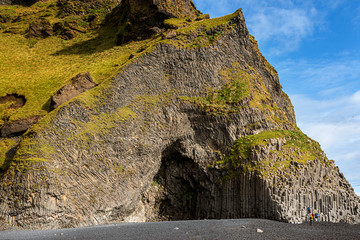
[227, 99]
[29, 150]
[242, 88]
[202, 33]
[100, 125]
[29, 153]
[277, 150]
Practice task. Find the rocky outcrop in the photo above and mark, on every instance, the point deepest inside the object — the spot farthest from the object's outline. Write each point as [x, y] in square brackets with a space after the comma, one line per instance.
[177, 8]
[140, 19]
[40, 29]
[196, 127]
[18, 127]
[14, 100]
[78, 84]
[9, 103]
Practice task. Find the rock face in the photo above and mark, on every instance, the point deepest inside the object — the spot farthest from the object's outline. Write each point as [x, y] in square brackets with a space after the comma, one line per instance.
[41, 29]
[196, 127]
[79, 84]
[14, 99]
[18, 127]
[11, 102]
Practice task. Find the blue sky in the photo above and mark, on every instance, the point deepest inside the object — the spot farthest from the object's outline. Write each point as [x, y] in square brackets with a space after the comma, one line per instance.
[315, 47]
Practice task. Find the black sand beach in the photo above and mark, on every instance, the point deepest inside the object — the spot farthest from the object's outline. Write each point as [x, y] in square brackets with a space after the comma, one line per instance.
[199, 229]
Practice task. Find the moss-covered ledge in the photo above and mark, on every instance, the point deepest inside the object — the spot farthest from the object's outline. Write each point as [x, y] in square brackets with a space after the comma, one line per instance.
[271, 153]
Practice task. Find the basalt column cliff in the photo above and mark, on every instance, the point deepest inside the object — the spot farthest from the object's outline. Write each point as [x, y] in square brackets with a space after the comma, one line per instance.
[194, 125]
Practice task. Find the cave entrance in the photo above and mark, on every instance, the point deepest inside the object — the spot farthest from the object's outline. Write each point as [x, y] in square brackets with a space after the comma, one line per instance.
[184, 188]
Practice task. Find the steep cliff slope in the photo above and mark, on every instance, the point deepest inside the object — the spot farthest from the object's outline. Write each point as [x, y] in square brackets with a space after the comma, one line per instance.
[195, 125]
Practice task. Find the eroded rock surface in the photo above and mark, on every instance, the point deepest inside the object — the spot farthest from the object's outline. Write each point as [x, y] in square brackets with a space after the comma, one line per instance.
[18, 127]
[78, 84]
[191, 129]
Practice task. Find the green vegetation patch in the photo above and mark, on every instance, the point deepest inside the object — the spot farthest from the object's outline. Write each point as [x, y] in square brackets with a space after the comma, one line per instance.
[29, 153]
[177, 22]
[296, 148]
[201, 33]
[30, 150]
[243, 87]
[104, 123]
[227, 99]
[101, 125]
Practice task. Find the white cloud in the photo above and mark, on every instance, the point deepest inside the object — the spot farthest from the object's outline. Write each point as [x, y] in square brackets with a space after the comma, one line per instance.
[287, 26]
[282, 24]
[324, 78]
[335, 125]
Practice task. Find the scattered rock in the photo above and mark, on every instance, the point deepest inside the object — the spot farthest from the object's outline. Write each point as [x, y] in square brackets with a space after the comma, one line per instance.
[41, 29]
[156, 29]
[17, 128]
[63, 30]
[16, 100]
[79, 84]
[170, 34]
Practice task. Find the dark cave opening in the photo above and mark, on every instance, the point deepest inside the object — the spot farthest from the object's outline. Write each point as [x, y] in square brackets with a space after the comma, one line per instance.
[184, 187]
[186, 191]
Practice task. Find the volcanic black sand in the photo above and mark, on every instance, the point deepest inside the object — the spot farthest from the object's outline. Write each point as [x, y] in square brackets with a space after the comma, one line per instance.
[199, 229]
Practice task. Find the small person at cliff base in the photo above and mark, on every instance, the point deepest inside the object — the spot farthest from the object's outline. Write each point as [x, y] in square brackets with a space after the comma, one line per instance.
[311, 218]
[309, 209]
[317, 217]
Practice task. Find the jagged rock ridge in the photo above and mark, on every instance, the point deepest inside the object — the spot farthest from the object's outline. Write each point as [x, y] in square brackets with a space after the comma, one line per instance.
[196, 127]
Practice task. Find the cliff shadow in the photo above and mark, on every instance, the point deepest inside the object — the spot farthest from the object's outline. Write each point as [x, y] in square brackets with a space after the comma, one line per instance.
[184, 194]
[104, 39]
[9, 155]
[186, 191]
